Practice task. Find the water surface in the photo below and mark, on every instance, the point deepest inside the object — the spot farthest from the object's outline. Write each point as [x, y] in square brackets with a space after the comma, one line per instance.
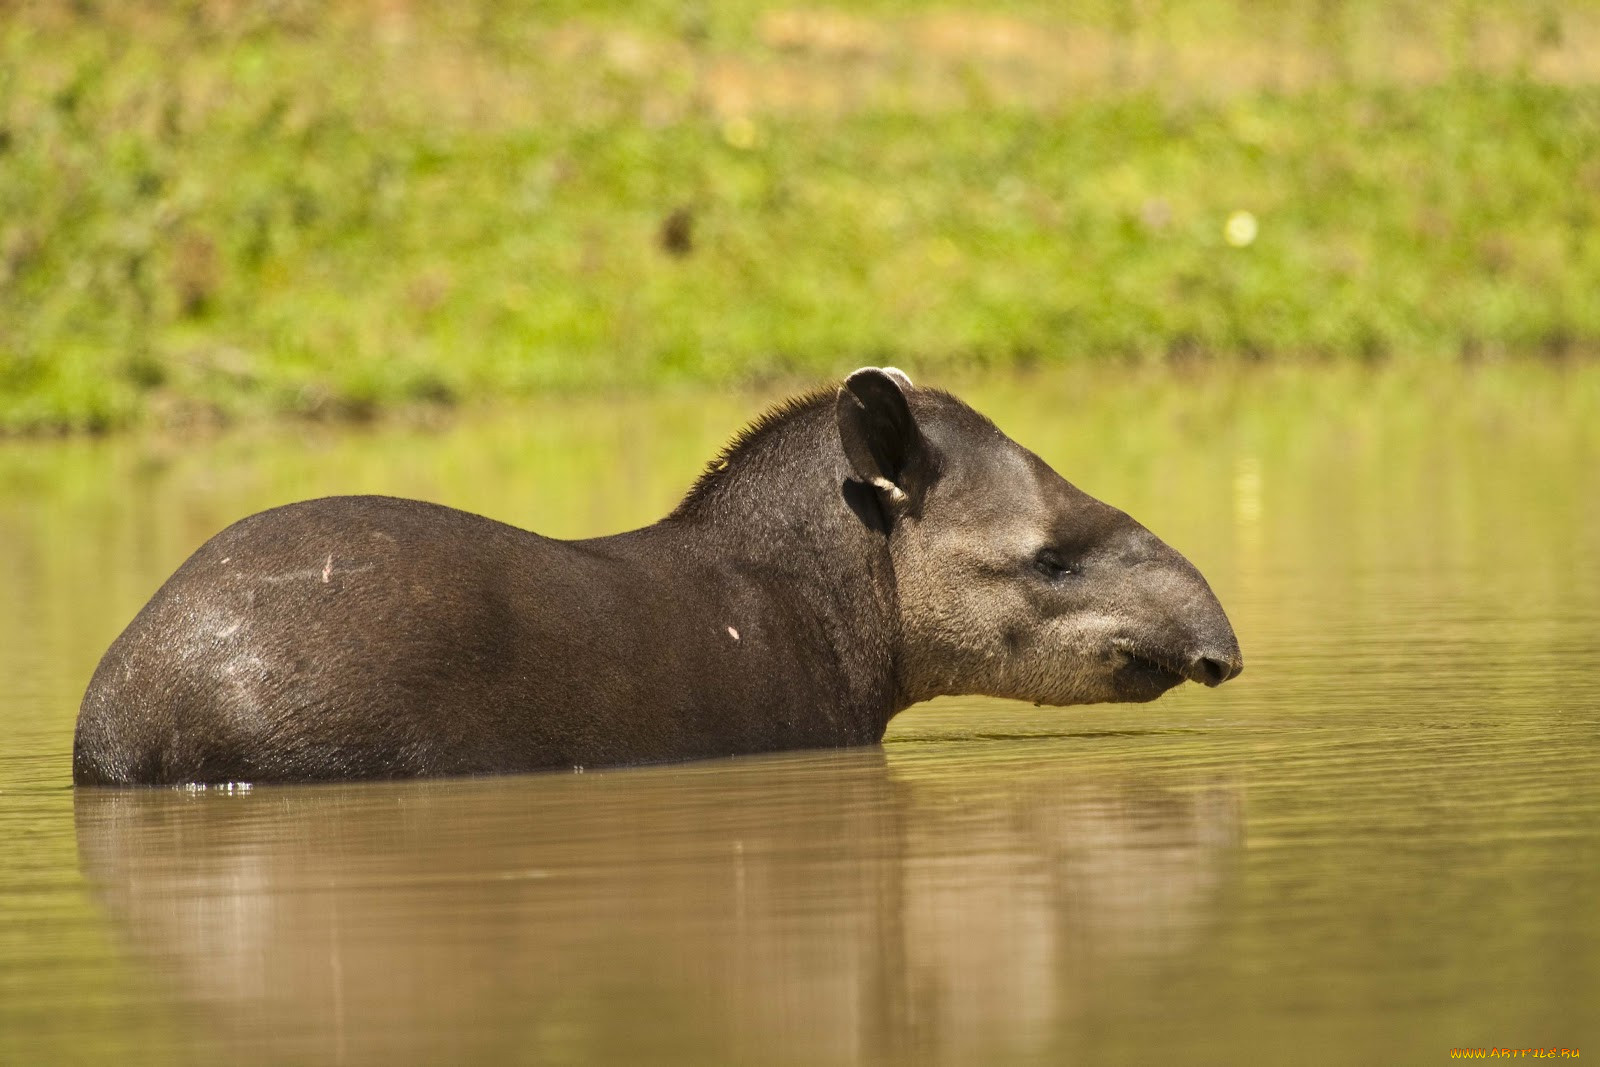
[1381, 842]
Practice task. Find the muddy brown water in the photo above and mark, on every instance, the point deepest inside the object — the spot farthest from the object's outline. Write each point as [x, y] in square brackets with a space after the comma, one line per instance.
[1381, 843]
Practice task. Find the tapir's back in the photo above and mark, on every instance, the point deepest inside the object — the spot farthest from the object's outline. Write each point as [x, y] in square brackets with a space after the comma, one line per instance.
[371, 637]
[347, 637]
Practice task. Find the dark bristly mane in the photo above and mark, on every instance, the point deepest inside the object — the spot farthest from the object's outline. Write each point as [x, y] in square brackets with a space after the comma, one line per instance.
[749, 443]
[749, 439]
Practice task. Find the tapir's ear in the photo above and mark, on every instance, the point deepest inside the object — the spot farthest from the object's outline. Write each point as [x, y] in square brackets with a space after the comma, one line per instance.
[880, 436]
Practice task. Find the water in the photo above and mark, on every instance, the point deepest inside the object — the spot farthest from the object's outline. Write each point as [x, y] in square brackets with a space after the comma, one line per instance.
[1382, 842]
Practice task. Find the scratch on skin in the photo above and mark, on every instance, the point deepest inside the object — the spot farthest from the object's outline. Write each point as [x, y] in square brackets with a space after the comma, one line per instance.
[324, 572]
[733, 633]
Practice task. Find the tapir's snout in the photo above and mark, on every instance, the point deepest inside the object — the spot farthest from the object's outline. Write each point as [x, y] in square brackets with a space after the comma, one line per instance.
[1154, 665]
[1186, 631]
[1212, 654]
[1214, 668]
[1216, 657]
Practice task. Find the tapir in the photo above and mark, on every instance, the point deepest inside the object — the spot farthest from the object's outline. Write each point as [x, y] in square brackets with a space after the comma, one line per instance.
[851, 553]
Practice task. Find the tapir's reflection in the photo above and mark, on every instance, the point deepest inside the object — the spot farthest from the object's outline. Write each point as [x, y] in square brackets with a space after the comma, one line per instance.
[800, 908]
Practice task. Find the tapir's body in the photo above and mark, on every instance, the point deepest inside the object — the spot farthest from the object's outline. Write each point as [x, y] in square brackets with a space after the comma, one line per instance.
[388, 638]
[371, 637]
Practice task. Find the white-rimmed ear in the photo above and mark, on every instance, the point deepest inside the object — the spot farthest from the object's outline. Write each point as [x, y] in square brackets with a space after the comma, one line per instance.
[898, 375]
[880, 435]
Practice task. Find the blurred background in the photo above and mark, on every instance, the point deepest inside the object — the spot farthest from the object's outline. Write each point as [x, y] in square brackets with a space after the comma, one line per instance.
[215, 210]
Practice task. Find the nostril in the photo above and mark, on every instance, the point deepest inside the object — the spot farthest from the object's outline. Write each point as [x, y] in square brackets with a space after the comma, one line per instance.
[1213, 672]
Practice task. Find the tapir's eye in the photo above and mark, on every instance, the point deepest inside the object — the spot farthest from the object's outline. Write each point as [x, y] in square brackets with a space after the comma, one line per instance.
[1049, 563]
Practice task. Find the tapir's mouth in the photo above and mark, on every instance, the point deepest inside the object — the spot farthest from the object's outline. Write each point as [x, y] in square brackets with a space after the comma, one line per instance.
[1143, 675]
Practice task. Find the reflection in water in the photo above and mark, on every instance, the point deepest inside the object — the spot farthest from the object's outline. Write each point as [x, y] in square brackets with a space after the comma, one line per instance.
[814, 907]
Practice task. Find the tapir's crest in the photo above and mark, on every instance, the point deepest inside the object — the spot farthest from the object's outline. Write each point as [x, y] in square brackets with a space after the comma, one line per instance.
[855, 551]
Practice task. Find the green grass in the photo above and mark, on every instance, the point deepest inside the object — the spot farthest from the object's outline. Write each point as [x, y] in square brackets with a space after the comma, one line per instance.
[210, 214]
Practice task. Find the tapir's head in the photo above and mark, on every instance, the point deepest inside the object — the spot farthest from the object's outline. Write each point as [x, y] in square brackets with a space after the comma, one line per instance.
[1012, 582]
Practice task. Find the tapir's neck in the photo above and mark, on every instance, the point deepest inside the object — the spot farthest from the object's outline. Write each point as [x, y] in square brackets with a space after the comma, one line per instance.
[774, 512]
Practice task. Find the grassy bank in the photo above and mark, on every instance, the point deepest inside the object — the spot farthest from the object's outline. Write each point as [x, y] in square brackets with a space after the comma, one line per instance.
[208, 212]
